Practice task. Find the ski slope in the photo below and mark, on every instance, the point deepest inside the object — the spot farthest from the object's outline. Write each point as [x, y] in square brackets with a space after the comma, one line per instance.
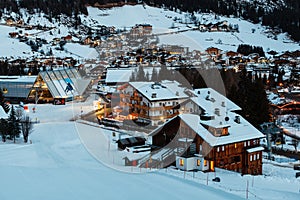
[69, 160]
[57, 166]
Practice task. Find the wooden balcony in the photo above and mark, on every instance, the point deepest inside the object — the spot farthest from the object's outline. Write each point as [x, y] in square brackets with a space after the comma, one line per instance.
[136, 98]
[161, 108]
[160, 117]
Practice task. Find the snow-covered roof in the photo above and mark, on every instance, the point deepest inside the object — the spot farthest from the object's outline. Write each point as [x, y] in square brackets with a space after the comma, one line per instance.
[19, 79]
[255, 149]
[118, 75]
[58, 80]
[209, 99]
[165, 90]
[3, 114]
[237, 131]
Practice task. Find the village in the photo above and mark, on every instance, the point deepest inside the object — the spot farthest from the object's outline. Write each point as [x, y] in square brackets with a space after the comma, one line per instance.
[153, 103]
[142, 97]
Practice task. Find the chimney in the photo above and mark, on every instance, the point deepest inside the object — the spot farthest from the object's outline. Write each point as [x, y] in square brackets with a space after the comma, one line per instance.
[237, 119]
[217, 111]
[223, 104]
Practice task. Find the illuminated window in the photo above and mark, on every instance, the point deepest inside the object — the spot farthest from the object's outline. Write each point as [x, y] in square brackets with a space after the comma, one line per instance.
[181, 162]
[235, 145]
[198, 162]
[250, 158]
[205, 163]
[223, 148]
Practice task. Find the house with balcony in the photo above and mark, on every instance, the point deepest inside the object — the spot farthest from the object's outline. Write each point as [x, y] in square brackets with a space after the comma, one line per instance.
[155, 101]
[208, 134]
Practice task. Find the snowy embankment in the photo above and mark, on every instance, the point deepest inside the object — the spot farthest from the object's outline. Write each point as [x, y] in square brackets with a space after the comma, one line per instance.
[69, 160]
[57, 166]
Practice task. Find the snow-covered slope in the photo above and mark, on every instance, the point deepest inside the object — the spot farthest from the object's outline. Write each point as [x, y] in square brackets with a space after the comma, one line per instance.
[162, 20]
[127, 16]
[58, 166]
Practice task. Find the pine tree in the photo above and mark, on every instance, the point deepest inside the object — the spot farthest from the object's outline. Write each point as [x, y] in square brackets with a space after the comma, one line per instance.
[154, 76]
[141, 76]
[3, 129]
[13, 124]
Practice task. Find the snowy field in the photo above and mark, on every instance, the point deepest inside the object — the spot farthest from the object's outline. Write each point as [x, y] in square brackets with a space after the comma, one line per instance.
[70, 160]
[162, 20]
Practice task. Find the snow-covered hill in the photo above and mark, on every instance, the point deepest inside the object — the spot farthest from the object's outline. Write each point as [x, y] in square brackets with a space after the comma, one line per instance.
[127, 16]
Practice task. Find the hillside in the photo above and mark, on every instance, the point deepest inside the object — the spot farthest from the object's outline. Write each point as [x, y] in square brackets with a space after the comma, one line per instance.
[162, 20]
[283, 14]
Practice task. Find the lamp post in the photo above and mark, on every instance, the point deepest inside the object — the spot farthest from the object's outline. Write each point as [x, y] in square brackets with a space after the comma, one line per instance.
[5, 90]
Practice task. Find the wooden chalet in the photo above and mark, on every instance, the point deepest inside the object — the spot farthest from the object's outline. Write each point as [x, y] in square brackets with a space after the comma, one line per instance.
[210, 129]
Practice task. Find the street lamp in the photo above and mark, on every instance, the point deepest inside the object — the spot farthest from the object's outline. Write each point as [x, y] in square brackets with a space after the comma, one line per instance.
[5, 90]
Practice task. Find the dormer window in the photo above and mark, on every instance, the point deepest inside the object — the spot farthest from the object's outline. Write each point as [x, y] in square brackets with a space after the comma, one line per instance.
[219, 131]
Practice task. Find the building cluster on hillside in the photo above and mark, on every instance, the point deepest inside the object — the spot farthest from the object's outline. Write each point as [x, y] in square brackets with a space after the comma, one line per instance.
[222, 26]
[32, 66]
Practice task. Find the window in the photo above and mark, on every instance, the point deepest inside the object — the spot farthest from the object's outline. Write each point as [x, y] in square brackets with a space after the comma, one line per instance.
[198, 162]
[235, 145]
[181, 162]
[254, 157]
[254, 142]
[223, 148]
[258, 156]
[218, 149]
[245, 144]
[205, 163]
[249, 143]
[250, 158]
[236, 159]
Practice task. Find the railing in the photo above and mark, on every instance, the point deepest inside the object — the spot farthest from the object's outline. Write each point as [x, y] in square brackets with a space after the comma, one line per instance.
[161, 108]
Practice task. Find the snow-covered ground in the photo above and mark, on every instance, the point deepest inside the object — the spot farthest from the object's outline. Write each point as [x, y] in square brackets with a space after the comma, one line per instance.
[127, 16]
[162, 20]
[71, 160]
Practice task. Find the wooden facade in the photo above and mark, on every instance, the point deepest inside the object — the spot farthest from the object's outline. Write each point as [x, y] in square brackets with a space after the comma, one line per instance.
[229, 156]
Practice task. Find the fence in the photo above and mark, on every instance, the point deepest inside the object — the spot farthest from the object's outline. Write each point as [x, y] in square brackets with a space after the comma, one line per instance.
[203, 178]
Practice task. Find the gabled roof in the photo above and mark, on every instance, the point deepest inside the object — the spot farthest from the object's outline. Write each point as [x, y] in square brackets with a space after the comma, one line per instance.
[58, 80]
[238, 132]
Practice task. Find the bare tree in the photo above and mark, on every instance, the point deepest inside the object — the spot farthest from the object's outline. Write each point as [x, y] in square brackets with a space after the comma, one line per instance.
[26, 127]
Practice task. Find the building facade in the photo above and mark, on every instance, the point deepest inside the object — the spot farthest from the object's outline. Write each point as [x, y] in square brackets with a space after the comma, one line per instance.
[151, 100]
[209, 128]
